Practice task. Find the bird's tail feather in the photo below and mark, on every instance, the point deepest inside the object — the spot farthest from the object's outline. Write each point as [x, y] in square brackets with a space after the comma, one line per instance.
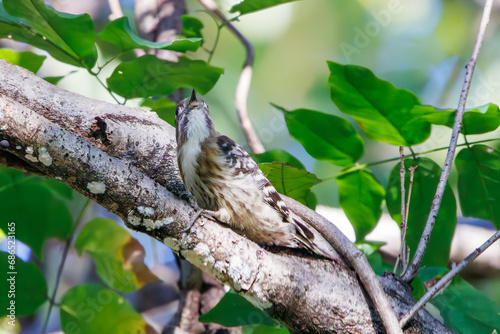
[312, 240]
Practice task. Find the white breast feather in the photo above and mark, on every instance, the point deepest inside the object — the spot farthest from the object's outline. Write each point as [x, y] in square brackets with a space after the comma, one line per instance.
[197, 132]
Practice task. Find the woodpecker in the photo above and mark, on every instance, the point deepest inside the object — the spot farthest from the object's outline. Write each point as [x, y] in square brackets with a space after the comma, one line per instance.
[228, 184]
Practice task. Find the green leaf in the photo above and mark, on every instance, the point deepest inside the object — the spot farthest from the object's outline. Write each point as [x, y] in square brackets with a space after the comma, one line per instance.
[289, 180]
[370, 249]
[119, 257]
[424, 186]
[381, 110]
[361, 197]
[38, 214]
[191, 27]
[29, 60]
[54, 80]
[164, 107]
[278, 155]
[67, 37]
[119, 33]
[59, 188]
[234, 310]
[21, 282]
[91, 308]
[263, 329]
[466, 310]
[250, 6]
[13, 28]
[149, 76]
[325, 137]
[476, 121]
[479, 182]
[431, 274]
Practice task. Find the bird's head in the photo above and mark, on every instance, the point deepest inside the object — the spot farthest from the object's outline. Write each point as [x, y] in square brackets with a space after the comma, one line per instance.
[192, 118]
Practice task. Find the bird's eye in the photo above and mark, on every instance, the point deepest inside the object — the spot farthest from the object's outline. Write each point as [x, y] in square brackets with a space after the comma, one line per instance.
[177, 110]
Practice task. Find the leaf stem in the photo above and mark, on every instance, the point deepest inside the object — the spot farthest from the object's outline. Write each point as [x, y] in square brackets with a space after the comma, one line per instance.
[105, 87]
[105, 64]
[63, 260]
[217, 36]
[429, 151]
[457, 126]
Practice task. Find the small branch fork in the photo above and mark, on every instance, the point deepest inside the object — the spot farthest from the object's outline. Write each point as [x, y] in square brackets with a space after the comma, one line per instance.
[243, 83]
[447, 278]
[436, 203]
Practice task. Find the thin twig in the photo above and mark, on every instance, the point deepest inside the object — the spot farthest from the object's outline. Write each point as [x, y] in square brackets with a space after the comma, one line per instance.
[243, 83]
[406, 252]
[457, 126]
[402, 248]
[447, 278]
[429, 151]
[61, 265]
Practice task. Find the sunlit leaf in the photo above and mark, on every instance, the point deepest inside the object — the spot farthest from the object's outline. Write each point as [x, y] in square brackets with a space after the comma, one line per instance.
[21, 282]
[476, 121]
[29, 60]
[119, 257]
[91, 308]
[479, 182]
[325, 137]
[424, 186]
[119, 33]
[381, 110]
[289, 180]
[149, 76]
[361, 197]
[234, 310]
[250, 6]
[67, 37]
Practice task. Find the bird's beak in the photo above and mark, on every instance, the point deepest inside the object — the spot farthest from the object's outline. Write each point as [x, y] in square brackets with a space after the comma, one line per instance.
[193, 97]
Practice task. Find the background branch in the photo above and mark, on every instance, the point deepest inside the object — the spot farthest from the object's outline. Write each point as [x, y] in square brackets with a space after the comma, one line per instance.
[133, 157]
[244, 81]
[457, 126]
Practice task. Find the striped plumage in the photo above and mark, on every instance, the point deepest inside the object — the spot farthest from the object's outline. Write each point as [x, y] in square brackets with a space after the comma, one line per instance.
[226, 180]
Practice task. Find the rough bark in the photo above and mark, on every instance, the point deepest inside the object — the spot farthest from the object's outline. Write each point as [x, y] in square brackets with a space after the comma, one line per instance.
[124, 159]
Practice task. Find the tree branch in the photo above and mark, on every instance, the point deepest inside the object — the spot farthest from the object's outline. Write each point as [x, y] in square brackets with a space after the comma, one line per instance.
[124, 159]
[243, 83]
[457, 126]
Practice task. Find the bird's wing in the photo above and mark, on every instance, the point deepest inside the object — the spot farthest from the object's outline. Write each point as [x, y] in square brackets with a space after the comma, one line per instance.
[244, 166]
